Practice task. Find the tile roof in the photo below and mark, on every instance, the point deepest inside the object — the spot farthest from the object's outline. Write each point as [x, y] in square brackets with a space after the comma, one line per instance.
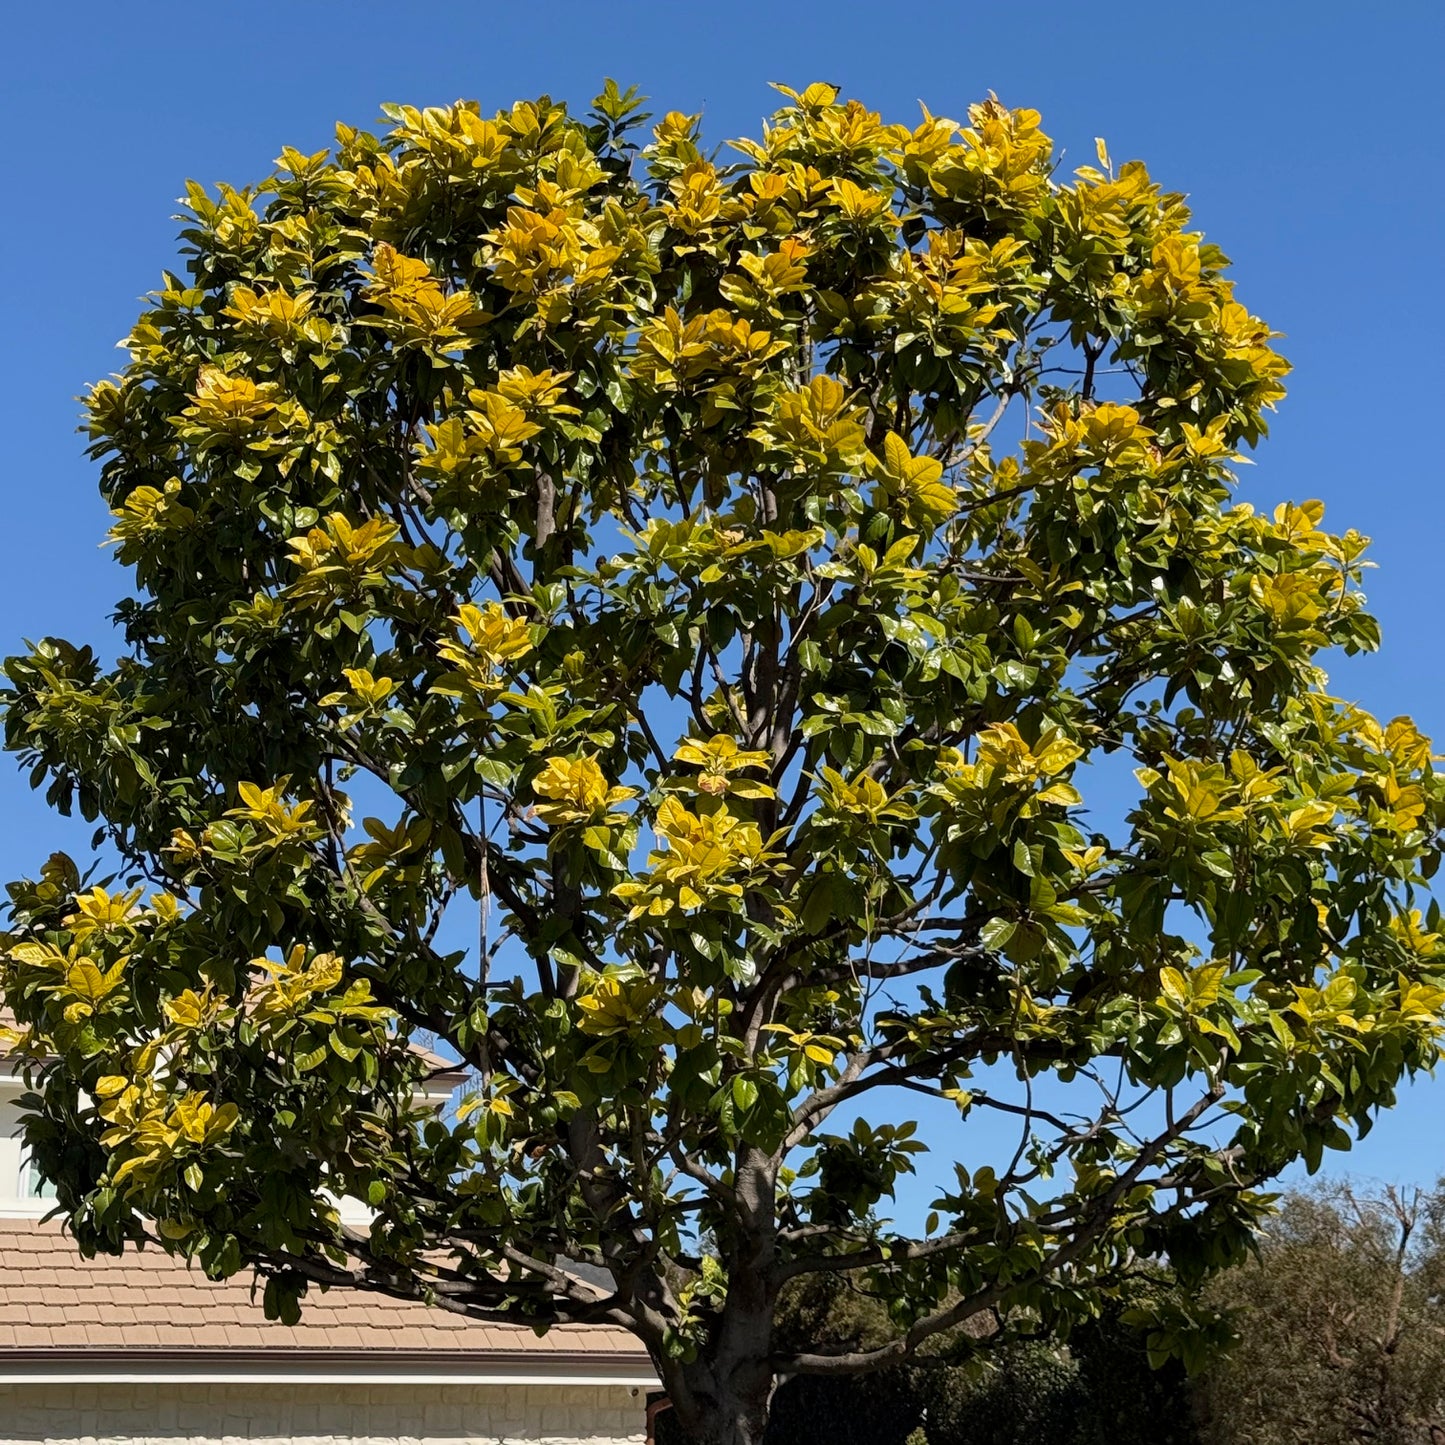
[147, 1302]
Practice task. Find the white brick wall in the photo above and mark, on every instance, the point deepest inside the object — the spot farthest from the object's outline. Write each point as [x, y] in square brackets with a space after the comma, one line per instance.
[169, 1414]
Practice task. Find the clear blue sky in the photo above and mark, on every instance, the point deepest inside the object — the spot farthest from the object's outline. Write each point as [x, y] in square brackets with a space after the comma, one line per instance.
[1309, 136]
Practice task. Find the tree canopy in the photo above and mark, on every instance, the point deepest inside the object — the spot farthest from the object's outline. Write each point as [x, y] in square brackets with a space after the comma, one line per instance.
[653, 621]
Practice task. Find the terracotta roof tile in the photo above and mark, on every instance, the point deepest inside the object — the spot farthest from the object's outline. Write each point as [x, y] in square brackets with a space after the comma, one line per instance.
[52, 1298]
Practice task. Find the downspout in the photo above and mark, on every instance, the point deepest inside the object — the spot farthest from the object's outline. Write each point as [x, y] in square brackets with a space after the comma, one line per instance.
[653, 1411]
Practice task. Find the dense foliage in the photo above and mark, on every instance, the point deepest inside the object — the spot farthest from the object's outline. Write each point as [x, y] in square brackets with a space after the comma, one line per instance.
[649, 621]
[1099, 1388]
[1332, 1333]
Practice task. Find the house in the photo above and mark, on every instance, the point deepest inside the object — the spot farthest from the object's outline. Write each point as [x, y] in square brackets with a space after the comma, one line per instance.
[142, 1349]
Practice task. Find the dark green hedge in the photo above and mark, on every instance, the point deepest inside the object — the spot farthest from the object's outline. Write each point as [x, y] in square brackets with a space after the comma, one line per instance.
[1101, 1391]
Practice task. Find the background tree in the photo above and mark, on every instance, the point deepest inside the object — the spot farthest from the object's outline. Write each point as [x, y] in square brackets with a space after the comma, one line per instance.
[1098, 1388]
[590, 606]
[1341, 1327]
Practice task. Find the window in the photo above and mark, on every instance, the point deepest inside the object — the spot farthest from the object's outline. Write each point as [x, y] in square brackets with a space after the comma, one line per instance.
[32, 1184]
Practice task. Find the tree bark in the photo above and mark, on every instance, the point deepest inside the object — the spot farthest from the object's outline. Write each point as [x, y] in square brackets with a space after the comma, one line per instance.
[723, 1396]
[722, 1403]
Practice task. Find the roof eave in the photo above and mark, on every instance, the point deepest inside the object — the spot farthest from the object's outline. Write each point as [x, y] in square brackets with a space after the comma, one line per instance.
[327, 1366]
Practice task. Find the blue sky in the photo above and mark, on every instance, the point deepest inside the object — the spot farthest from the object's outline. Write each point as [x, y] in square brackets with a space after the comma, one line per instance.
[1308, 136]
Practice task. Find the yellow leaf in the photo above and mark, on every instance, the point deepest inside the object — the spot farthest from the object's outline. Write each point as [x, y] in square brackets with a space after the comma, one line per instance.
[1206, 982]
[914, 484]
[1174, 984]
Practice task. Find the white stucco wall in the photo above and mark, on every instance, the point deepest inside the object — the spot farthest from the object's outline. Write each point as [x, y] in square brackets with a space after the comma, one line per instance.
[205, 1414]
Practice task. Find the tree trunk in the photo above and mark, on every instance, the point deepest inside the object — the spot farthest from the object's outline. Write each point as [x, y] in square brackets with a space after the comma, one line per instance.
[722, 1397]
[712, 1408]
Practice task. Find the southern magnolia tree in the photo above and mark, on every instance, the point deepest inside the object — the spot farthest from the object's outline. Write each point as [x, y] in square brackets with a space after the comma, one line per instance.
[646, 620]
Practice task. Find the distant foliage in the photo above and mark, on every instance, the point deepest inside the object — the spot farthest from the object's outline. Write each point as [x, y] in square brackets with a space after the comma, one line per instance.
[1341, 1322]
[1100, 1389]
